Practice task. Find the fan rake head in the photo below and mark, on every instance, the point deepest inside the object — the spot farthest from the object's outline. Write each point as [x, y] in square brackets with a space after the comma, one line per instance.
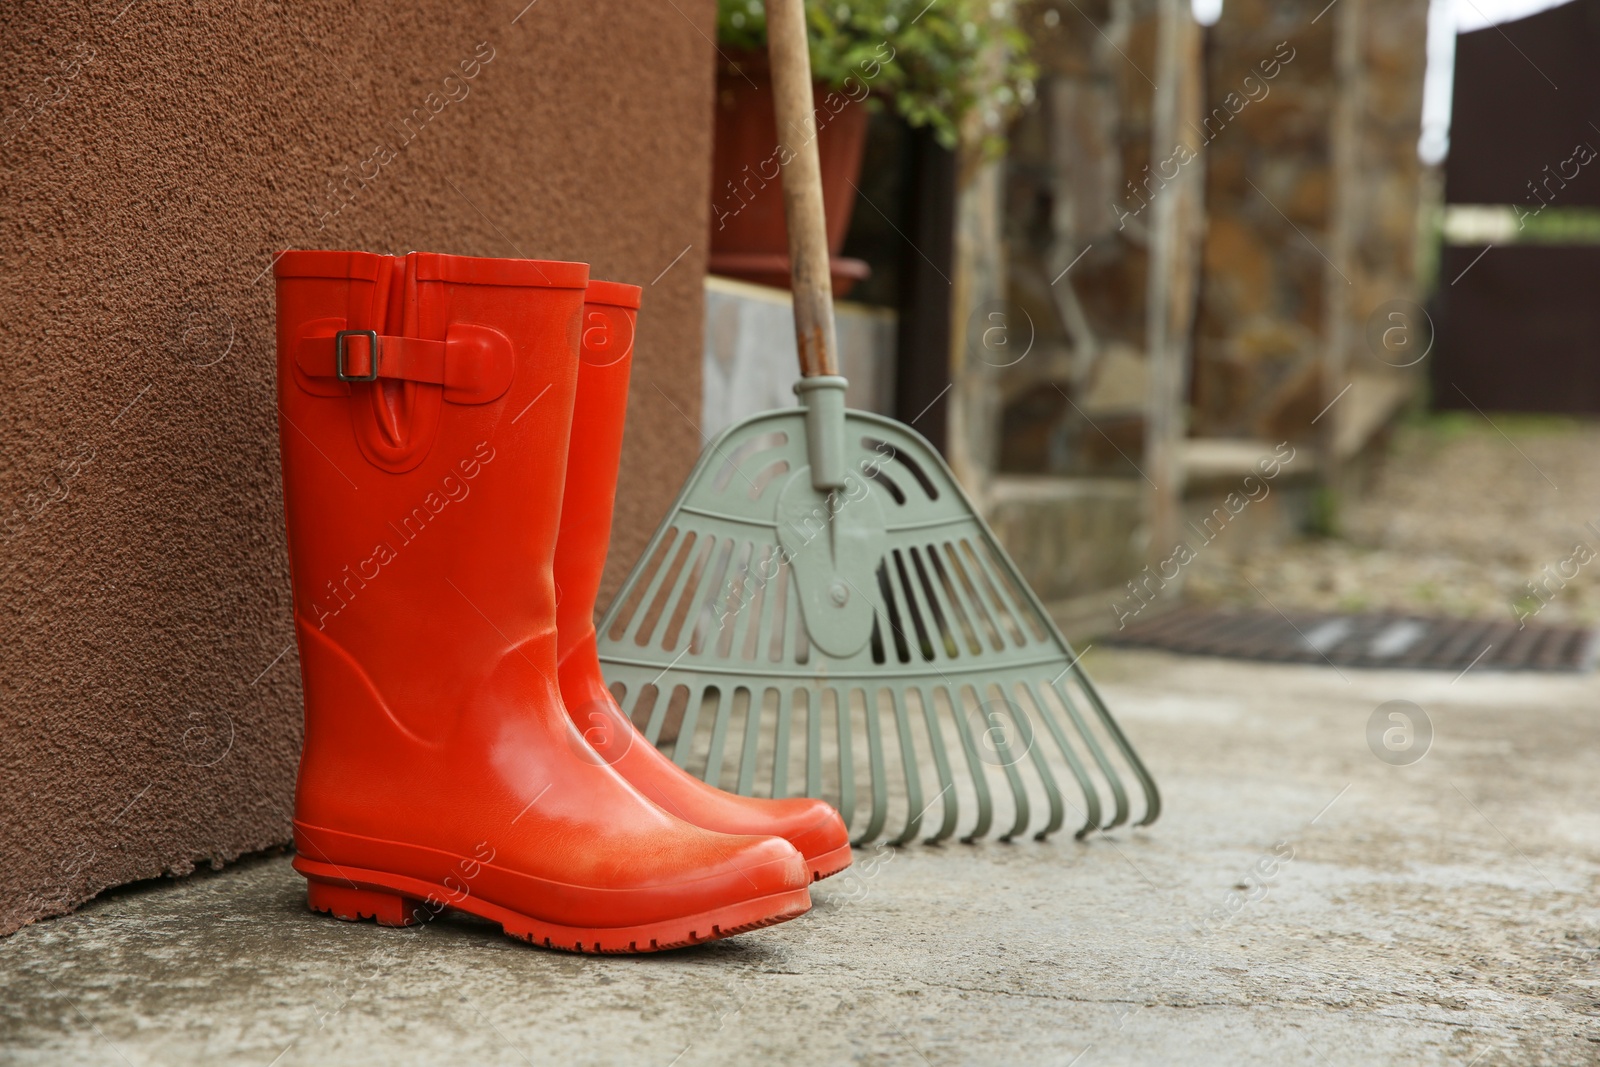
[842, 641]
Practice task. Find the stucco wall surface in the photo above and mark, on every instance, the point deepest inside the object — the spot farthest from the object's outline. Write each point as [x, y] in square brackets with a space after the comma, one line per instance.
[155, 155]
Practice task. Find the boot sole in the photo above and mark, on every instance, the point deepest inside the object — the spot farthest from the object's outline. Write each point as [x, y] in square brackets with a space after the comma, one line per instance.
[353, 894]
[830, 863]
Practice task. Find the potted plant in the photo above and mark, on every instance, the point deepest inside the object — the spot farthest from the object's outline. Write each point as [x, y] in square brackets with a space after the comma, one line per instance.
[935, 64]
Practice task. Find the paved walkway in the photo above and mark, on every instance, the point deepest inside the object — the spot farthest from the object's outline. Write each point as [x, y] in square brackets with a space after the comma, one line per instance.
[1302, 902]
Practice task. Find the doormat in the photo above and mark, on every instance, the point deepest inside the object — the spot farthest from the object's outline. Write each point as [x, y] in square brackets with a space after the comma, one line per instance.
[1366, 640]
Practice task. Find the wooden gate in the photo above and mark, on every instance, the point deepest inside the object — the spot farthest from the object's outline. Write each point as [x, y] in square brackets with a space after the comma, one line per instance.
[1518, 319]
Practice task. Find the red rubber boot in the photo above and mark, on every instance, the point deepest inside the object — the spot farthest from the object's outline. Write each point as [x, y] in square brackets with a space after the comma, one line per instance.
[811, 826]
[425, 407]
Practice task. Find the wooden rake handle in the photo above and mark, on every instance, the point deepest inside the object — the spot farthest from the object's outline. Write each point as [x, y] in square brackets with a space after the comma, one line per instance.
[811, 279]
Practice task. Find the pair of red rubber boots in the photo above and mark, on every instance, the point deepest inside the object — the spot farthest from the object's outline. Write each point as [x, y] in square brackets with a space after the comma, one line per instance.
[450, 430]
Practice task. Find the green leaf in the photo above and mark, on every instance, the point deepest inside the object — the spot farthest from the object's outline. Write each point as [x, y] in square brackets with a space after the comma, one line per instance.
[935, 63]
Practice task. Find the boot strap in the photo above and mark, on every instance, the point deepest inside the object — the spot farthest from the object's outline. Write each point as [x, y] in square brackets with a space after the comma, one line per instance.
[473, 363]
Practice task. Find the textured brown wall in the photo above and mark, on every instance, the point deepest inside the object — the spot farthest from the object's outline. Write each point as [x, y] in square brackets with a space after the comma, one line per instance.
[154, 157]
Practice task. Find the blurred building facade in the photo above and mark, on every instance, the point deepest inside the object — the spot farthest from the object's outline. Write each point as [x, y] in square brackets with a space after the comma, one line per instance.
[1174, 273]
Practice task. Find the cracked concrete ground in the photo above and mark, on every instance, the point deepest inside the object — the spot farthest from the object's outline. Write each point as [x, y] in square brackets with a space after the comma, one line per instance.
[1442, 912]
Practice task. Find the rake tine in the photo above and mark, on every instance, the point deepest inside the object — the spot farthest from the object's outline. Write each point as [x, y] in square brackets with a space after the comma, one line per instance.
[1047, 778]
[794, 618]
[813, 741]
[667, 542]
[716, 639]
[749, 621]
[658, 713]
[749, 756]
[675, 546]
[908, 756]
[914, 613]
[969, 637]
[1019, 791]
[918, 610]
[702, 555]
[880, 788]
[621, 692]
[682, 749]
[991, 636]
[847, 767]
[919, 617]
[724, 564]
[780, 744]
[941, 762]
[954, 618]
[732, 602]
[1032, 620]
[766, 619]
[719, 734]
[1014, 632]
[1091, 796]
[1019, 586]
[1118, 795]
[980, 780]
[1152, 795]
[697, 604]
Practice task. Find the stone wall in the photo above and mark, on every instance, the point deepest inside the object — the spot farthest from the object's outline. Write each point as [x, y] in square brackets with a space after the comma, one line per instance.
[1198, 264]
[1077, 246]
[1081, 181]
[1304, 237]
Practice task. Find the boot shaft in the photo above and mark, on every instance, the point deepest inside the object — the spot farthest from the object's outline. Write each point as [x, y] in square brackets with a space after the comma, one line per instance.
[423, 479]
[599, 414]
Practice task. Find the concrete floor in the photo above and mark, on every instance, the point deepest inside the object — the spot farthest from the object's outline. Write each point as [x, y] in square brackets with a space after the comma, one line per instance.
[1302, 901]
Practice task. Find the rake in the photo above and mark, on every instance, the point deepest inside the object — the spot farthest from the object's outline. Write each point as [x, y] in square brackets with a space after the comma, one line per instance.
[824, 600]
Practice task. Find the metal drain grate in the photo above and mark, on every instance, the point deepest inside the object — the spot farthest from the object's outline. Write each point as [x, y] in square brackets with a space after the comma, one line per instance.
[1368, 640]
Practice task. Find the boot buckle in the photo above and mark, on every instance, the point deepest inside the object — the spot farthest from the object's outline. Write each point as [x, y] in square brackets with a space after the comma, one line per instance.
[339, 355]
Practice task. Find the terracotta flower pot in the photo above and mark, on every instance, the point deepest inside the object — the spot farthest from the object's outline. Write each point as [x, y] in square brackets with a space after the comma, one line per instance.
[748, 237]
